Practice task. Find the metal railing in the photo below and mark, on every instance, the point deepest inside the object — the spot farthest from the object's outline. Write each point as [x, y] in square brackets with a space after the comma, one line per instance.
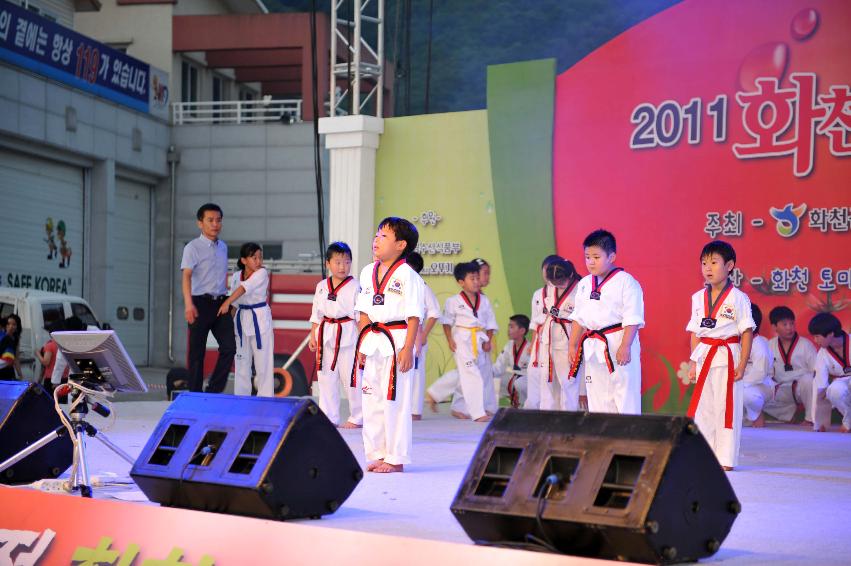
[236, 111]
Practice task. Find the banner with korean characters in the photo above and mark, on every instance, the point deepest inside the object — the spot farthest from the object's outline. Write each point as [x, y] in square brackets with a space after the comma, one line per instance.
[54, 51]
[728, 119]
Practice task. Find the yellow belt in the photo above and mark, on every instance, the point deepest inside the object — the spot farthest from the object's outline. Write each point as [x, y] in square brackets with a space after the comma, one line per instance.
[473, 332]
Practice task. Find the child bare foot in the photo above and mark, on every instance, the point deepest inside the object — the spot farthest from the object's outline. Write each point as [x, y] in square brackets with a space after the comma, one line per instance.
[460, 415]
[416, 417]
[386, 468]
[431, 403]
[844, 428]
[350, 424]
[760, 421]
[372, 465]
[822, 428]
[483, 419]
[727, 468]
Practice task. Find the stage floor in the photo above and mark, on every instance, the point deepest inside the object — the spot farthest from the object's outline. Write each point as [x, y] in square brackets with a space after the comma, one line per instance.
[794, 485]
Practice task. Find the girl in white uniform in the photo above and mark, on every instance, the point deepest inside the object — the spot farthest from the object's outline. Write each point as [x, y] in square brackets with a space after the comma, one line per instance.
[255, 340]
[558, 390]
[537, 318]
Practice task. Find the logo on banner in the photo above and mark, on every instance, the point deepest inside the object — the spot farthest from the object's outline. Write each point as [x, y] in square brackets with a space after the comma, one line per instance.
[788, 219]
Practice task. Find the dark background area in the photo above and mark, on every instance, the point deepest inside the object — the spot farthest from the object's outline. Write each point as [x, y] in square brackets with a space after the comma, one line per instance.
[469, 35]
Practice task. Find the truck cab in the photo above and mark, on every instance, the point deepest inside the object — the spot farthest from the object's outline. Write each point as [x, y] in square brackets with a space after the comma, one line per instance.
[38, 310]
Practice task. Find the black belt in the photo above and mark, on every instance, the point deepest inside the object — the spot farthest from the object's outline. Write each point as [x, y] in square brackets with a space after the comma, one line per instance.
[380, 328]
[210, 297]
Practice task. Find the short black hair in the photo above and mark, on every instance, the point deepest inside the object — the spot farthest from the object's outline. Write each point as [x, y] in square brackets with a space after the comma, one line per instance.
[561, 270]
[415, 260]
[74, 323]
[521, 320]
[341, 248]
[403, 230]
[602, 239]
[781, 313]
[825, 324]
[480, 262]
[549, 259]
[462, 270]
[209, 206]
[756, 314]
[720, 247]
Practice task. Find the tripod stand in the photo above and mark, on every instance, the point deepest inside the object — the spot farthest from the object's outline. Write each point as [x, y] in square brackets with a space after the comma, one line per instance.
[80, 402]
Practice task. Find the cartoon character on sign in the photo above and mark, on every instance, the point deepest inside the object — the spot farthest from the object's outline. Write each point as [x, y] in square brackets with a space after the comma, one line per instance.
[51, 242]
[64, 248]
[160, 90]
[788, 219]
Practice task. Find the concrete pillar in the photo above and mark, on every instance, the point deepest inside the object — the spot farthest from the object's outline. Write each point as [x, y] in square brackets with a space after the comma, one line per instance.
[102, 222]
[351, 142]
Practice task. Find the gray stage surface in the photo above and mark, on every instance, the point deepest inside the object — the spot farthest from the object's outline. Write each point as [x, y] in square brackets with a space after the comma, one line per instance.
[794, 484]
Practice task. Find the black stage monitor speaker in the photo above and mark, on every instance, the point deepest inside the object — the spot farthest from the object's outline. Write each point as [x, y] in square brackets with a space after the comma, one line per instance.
[277, 458]
[621, 487]
[26, 415]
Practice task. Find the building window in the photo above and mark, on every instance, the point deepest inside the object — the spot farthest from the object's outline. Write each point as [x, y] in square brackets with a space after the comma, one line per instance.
[188, 82]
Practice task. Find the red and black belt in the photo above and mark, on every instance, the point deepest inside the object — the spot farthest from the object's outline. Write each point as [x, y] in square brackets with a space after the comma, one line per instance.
[714, 344]
[380, 328]
[321, 338]
[563, 322]
[599, 335]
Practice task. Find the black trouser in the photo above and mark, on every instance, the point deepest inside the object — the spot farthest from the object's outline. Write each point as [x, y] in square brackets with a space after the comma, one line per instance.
[222, 328]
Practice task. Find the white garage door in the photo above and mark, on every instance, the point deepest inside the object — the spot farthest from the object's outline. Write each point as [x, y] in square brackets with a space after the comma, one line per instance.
[42, 224]
[129, 308]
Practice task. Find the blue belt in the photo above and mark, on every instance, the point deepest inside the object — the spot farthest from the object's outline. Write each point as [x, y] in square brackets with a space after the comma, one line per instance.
[256, 324]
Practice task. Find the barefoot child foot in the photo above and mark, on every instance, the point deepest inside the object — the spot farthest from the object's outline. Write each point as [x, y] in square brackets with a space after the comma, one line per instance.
[373, 465]
[386, 468]
[460, 415]
[350, 424]
[416, 417]
[483, 419]
[431, 403]
[760, 421]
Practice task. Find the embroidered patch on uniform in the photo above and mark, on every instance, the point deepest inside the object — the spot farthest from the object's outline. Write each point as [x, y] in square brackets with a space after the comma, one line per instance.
[367, 390]
[395, 287]
[587, 379]
[469, 363]
[728, 312]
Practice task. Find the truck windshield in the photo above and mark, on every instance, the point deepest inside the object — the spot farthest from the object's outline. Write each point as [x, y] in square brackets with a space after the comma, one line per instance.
[83, 312]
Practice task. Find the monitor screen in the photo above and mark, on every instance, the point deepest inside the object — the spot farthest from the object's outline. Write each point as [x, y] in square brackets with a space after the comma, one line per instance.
[98, 356]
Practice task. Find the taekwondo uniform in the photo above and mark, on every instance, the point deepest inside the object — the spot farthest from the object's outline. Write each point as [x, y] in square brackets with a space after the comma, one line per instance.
[336, 333]
[794, 367]
[757, 386]
[431, 309]
[255, 339]
[833, 375]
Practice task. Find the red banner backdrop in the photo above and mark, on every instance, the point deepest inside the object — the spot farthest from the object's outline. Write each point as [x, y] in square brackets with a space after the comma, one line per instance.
[727, 119]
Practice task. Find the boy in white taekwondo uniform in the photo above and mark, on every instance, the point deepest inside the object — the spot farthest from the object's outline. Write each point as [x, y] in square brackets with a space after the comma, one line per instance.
[513, 362]
[254, 333]
[558, 389]
[538, 318]
[721, 328]
[469, 324]
[794, 366]
[333, 334]
[390, 306]
[833, 370]
[607, 315]
[448, 385]
[757, 386]
[431, 314]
